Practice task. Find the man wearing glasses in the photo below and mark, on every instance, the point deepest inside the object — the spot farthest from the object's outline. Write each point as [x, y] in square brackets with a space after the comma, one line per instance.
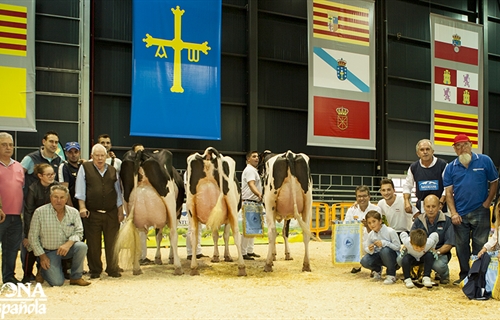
[471, 182]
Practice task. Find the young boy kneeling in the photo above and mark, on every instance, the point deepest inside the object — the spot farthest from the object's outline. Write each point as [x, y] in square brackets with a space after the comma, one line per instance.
[418, 248]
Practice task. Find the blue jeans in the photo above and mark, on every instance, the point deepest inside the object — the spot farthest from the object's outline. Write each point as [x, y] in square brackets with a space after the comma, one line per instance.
[54, 275]
[441, 266]
[408, 261]
[475, 226]
[386, 257]
[11, 231]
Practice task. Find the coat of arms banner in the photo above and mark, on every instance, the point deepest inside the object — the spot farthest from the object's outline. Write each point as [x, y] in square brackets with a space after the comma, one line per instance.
[341, 74]
[457, 82]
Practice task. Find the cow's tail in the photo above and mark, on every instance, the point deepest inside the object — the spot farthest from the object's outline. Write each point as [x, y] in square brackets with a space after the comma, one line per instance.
[217, 216]
[128, 245]
[306, 232]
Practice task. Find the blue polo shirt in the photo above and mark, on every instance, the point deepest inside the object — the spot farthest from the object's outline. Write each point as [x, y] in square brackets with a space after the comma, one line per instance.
[470, 185]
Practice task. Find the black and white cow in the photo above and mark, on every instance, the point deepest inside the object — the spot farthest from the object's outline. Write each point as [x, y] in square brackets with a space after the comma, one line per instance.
[153, 191]
[287, 195]
[213, 198]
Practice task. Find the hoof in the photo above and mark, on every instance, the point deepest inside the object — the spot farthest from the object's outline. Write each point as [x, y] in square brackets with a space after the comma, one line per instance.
[195, 272]
[178, 272]
[242, 272]
[274, 257]
[215, 259]
[158, 261]
[228, 259]
[268, 268]
[137, 272]
[306, 267]
[170, 260]
[288, 256]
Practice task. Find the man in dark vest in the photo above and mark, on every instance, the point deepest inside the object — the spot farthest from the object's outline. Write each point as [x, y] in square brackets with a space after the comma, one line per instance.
[99, 195]
[427, 176]
[46, 154]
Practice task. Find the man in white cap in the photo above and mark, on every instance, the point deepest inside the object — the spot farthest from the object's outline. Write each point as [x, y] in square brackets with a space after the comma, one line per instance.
[471, 182]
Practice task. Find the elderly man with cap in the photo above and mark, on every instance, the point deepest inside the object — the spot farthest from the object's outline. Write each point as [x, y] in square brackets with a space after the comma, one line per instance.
[471, 182]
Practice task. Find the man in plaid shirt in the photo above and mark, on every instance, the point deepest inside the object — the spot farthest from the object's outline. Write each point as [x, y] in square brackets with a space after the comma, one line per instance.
[55, 234]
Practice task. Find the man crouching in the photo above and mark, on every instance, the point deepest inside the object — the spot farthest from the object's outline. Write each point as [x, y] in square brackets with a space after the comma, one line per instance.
[55, 234]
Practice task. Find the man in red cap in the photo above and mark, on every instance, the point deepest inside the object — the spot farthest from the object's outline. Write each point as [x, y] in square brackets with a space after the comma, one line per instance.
[471, 182]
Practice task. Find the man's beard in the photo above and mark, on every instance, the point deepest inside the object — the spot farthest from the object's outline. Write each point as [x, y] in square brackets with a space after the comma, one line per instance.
[465, 158]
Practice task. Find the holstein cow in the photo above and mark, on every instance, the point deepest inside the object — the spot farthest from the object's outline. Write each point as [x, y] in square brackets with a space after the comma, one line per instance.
[213, 198]
[153, 191]
[287, 195]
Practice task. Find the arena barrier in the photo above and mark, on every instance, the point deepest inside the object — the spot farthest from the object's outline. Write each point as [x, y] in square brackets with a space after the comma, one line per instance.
[320, 218]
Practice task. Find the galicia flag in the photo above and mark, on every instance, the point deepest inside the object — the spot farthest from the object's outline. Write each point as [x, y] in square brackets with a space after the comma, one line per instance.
[341, 118]
[176, 69]
[455, 44]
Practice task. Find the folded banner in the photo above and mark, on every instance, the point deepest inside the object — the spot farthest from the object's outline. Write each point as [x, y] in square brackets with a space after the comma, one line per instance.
[252, 219]
[457, 73]
[176, 69]
[17, 65]
[341, 74]
[347, 242]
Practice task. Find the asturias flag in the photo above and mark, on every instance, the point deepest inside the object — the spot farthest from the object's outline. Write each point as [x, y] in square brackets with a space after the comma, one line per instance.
[341, 118]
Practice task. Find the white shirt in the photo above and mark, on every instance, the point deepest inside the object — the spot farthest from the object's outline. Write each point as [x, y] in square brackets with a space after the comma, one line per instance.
[117, 164]
[432, 240]
[397, 218]
[355, 211]
[386, 235]
[250, 174]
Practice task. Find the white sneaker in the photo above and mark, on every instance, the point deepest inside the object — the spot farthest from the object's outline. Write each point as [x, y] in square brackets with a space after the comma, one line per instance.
[408, 283]
[390, 280]
[426, 281]
[376, 275]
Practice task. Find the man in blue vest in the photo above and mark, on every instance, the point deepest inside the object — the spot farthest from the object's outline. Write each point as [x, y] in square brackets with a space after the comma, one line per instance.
[426, 175]
[471, 182]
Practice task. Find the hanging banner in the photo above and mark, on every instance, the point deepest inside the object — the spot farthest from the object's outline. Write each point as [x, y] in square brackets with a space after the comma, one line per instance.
[457, 90]
[341, 74]
[176, 69]
[17, 65]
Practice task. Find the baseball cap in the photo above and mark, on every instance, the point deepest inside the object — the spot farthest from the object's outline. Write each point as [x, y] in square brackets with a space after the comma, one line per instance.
[460, 138]
[72, 145]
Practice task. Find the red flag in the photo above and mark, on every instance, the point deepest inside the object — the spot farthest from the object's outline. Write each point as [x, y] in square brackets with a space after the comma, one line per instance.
[341, 118]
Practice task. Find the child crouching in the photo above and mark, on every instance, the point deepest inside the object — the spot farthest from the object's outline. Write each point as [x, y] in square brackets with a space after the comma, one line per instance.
[418, 248]
[381, 246]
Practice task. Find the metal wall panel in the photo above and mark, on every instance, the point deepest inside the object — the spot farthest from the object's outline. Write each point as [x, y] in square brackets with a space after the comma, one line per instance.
[233, 31]
[113, 19]
[283, 85]
[402, 96]
[113, 68]
[233, 79]
[57, 108]
[58, 56]
[67, 8]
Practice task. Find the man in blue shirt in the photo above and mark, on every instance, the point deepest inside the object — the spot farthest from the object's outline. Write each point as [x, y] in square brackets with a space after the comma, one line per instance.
[471, 182]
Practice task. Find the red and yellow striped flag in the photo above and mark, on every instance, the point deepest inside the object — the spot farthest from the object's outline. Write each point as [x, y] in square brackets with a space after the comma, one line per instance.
[341, 22]
[448, 124]
[13, 30]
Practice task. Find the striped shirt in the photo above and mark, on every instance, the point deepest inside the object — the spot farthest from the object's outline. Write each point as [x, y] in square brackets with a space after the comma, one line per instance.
[47, 232]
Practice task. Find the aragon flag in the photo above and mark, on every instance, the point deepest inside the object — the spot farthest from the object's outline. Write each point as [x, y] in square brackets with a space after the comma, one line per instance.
[341, 118]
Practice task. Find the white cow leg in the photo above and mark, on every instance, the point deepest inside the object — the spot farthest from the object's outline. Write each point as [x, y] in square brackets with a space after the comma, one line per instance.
[227, 254]
[215, 237]
[271, 234]
[194, 244]
[286, 232]
[237, 241]
[159, 237]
